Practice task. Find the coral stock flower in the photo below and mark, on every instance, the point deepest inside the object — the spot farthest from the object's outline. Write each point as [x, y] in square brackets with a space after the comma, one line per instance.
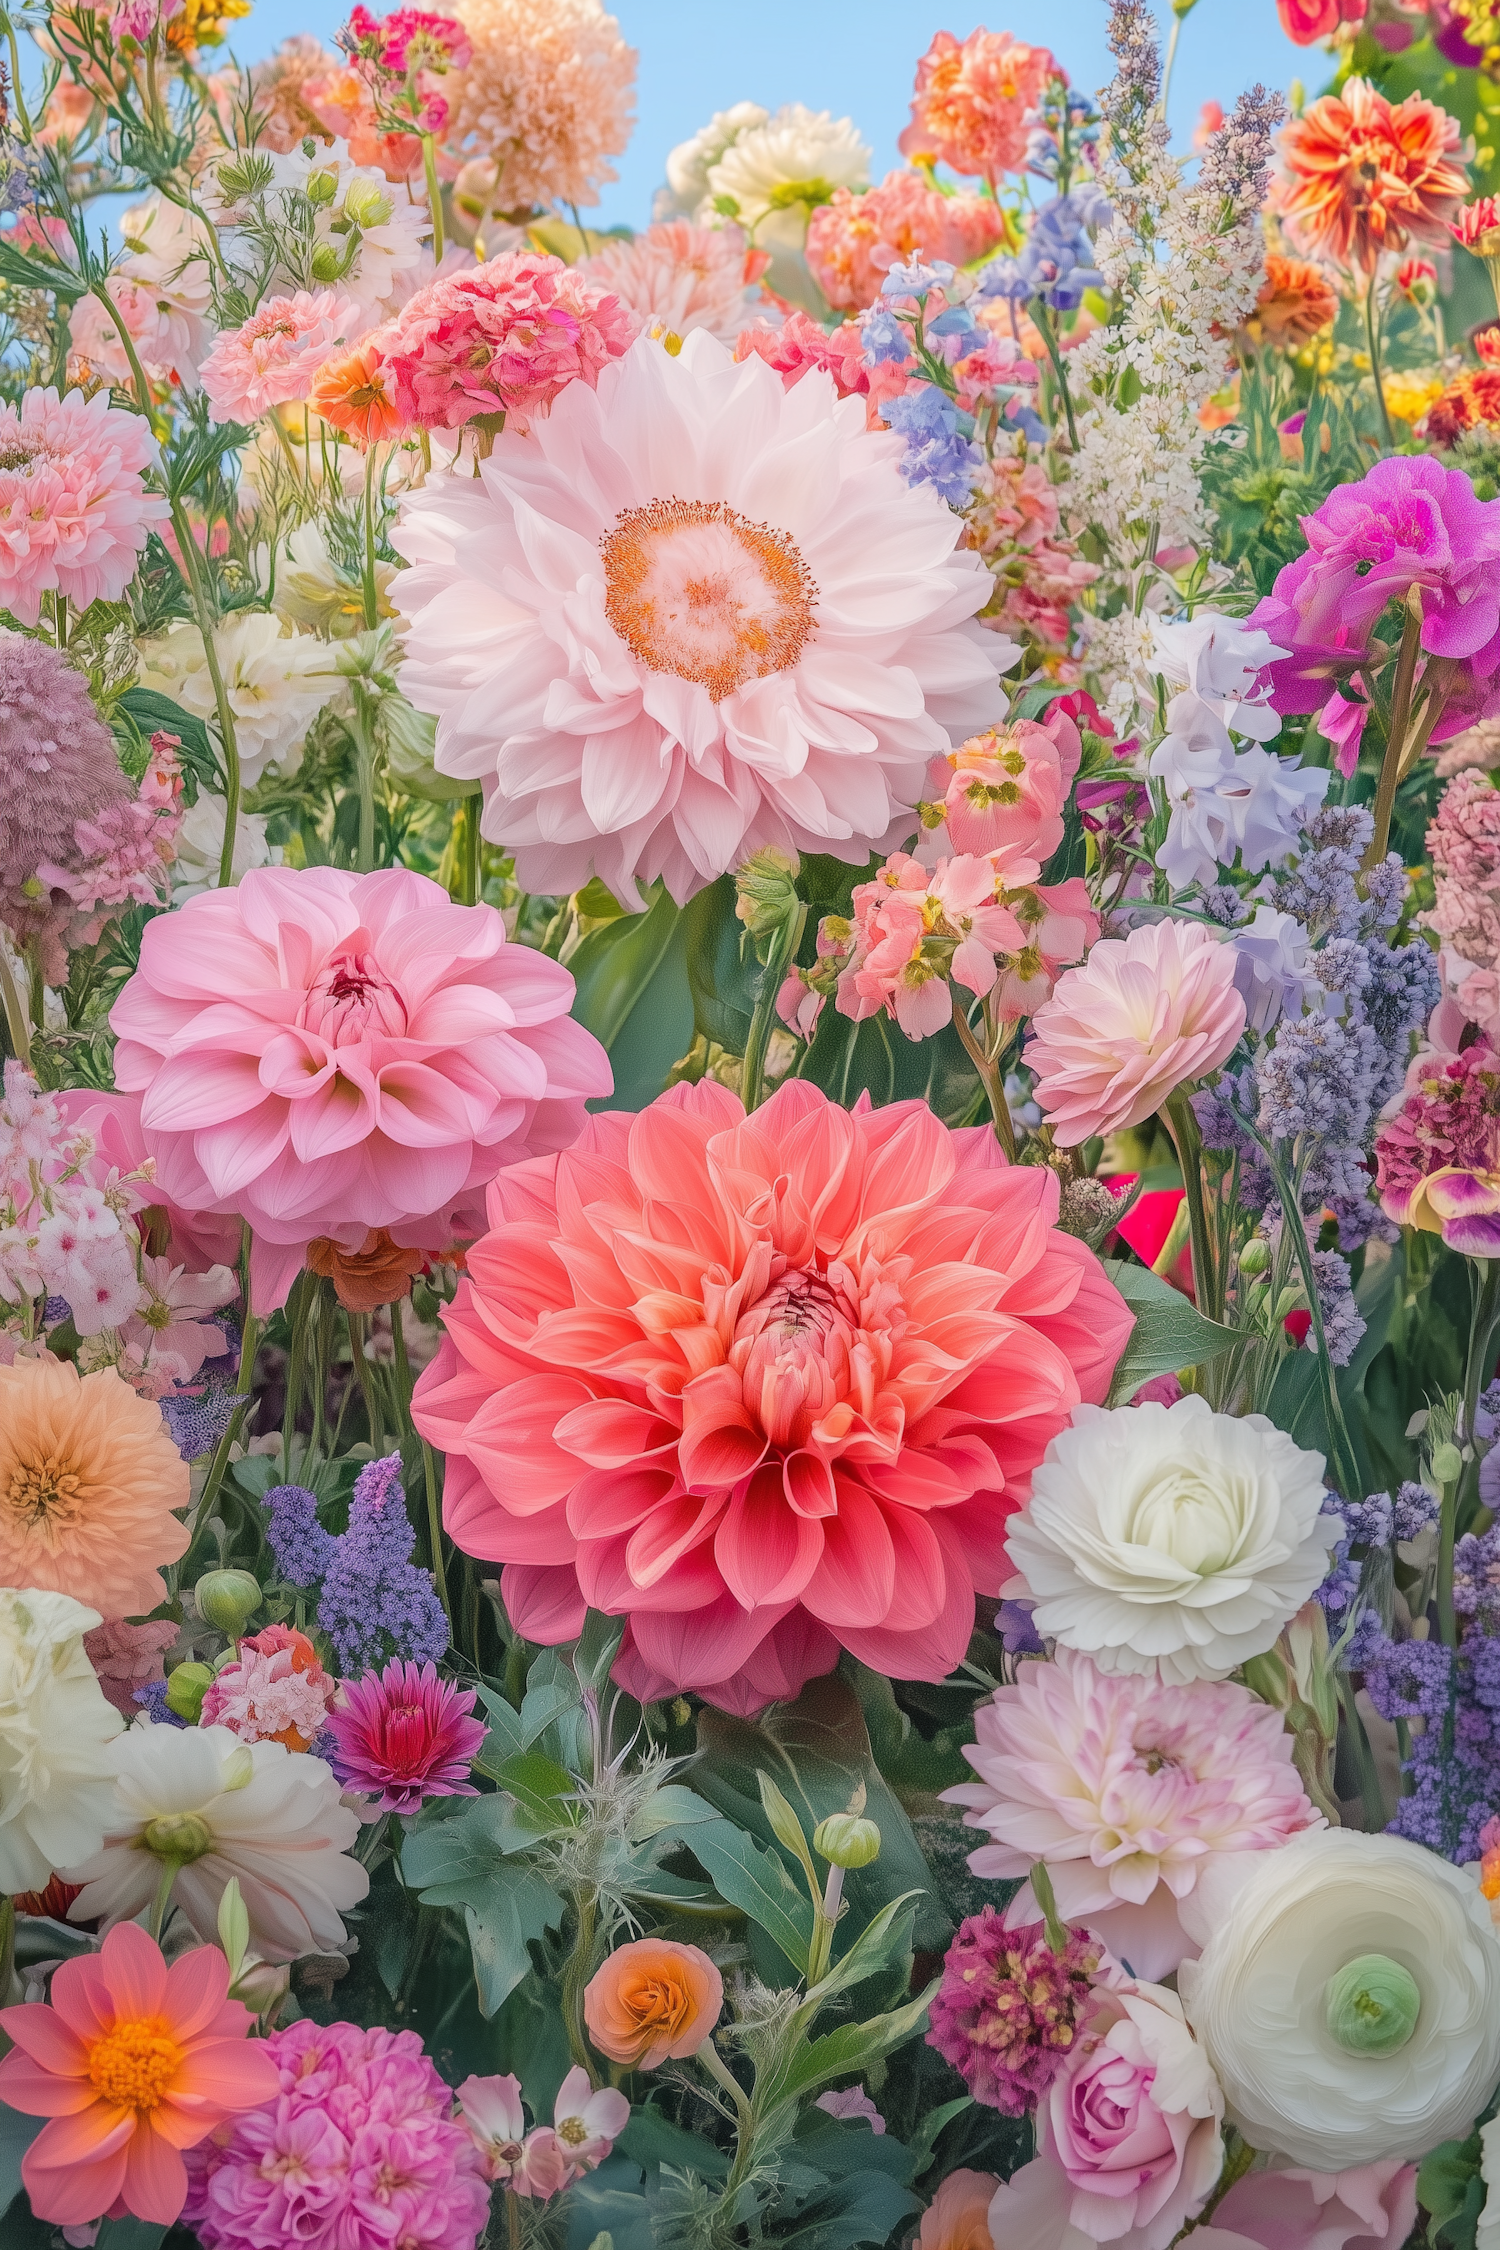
[766, 1385]
[131, 2063]
[1296, 301]
[1361, 176]
[972, 100]
[356, 393]
[406, 1734]
[653, 2001]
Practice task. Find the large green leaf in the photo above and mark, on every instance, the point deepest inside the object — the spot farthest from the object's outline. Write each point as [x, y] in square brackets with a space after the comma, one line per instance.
[634, 996]
[723, 972]
[876, 1058]
[758, 1884]
[863, 2207]
[507, 1905]
[16, 2136]
[1169, 1330]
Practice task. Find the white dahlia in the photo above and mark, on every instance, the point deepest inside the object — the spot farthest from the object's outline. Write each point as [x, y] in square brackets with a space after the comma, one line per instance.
[782, 169]
[57, 1733]
[690, 614]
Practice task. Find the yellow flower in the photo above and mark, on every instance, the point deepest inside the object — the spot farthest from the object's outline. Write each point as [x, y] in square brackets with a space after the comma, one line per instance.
[1408, 396]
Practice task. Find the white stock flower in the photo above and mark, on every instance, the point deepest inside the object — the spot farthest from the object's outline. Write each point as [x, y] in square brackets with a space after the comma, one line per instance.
[1347, 1995]
[1225, 801]
[1220, 661]
[1275, 970]
[272, 1818]
[57, 1763]
[689, 163]
[1170, 1538]
[200, 840]
[764, 166]
[277, 683]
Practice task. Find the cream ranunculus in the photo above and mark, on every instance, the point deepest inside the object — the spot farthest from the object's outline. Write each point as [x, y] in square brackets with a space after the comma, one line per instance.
[1172, 1539]
[1347, 1995]
[56, 1729]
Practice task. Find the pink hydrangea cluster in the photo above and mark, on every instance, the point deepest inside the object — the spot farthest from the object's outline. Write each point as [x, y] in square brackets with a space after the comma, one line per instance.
[1009, 2008]
[502, 337]
[125, 852]
[1015, 523]
[1437, 1158]
[973, 102]
[63, 1234]
[542, 2162]
[274, 1690]
[275, 354]
[358, 2151]
[854, 240]
[74, 510]
[1463, 843]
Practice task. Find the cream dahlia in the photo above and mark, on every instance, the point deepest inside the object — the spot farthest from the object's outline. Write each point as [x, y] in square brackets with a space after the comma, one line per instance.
[691, 614]
[766, 1386]
[277, 682]
[775, 174]
[56, 1736]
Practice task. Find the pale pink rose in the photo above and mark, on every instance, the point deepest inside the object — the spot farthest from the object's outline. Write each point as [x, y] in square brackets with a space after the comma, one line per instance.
[74, 510]
[276, 353]
[1143, 1016]
[1372, 2206]
[322, 1053]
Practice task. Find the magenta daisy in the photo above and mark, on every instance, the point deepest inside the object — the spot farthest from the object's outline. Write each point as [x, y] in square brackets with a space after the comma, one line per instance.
[405, 1734]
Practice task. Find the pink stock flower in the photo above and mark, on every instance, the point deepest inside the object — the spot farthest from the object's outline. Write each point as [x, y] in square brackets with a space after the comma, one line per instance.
[275, 354]
[1437, 1158]
[1143, 1016]
[124, 853]
[1463, 845]
[342, 102]
[768, 1386]
[684, 276]
[1005, 789]
[503, 337]
[799, 344]
[852, 2102]
[1008, 2010]
[914, 927]
[1127, 1788]
[853, 241]
[126, 1656]
[74, 510]
[411, 39]
[405, 1735]
[1059, 925]
[196, 1240]
[168, 1329]
[275, 1690]
[1372, 2207]
[972, 101]
[321, 1053]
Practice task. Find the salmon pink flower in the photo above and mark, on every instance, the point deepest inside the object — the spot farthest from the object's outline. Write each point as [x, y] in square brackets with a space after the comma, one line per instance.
[405, 1734]
[131, 2063]
[1004, 790]
[973, 100]
[1362, 175]
[652, 2001]
[768, 1386]
[853, 242]
[74, 509]
[356, 392]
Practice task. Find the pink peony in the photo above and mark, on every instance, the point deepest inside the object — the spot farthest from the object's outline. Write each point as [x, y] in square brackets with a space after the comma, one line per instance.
[1372, 2207]
[125, 1657]
[684, 276]
[972, 102]
[1126, 1788]
[403, 1735]
[74, 509]
[274, 355]
[1143, 1016]
[768, 1386]
[854, 240]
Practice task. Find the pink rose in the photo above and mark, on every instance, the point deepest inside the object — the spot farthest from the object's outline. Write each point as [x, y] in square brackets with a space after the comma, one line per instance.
[1373, 2205]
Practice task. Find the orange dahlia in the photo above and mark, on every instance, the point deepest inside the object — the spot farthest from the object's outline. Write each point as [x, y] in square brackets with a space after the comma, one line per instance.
[1362, 175]
[1296, 301]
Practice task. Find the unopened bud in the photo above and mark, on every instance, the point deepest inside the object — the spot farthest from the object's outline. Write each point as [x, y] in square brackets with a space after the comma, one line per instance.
[321, 187]
[227, 1599]
[846, 1840]
[366, 205]
[329, 264]
[187, 1685]
[1256, 1255]
[1447, 1464]
[766, 890]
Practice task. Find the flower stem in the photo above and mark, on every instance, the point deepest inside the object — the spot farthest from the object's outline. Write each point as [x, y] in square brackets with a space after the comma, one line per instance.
[1042, 318]
[435, 1530]
[22, 119]
[15, 1013]
[434, 196]
[1395, 741]
[372, 599]
[1207, 1279]
[159, 1905]
[470, 846]
[782, 949]
[989, 1078]
[1372, 334]
[576, 1976]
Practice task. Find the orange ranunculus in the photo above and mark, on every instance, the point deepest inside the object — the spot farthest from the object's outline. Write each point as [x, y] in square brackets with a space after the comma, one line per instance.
[1296, 301]
[958, 2217]
[1361, 175]
[651, 2000]
[131, 2062]
[355, 393]
[378, 1273]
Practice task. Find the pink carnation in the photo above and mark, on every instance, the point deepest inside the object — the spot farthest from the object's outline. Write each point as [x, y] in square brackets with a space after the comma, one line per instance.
[274, 355]
[322, 1053]
[1126, 1788]
[1008, 2010]
[1437, 1158]
[275, 1690]
[74, 510]
[972, 100]
[853, 242]
[799, 344]
[766, 1386]
[508, 335]
[684, 276]
[404, 1734]
[1143, 1016]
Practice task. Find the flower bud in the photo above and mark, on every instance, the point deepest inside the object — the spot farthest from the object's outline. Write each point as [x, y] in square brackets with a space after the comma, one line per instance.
[1256, 1255]
[1372, 2005]
[183, 1836]
[1447, 1464]
[187, 1685]
[845, 1840]
[365, 204]
[329, 264]
[321, 187]
[766, 890]
[227, 1599]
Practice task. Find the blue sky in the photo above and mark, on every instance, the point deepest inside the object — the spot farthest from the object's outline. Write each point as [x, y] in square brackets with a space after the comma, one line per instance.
[696, 58]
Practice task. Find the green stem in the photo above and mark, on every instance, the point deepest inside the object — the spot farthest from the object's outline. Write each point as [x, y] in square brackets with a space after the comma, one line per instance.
[364, 782]
[1345, 1466]
[229, 741]
[576, 1977]
[1481, 1349]
[434, 196]
[1166, 75]
[435, 1530]
[17, 1022]
[364, 1376]
[989, 1078]
[1395, 741]
[372, 599]
[1372, 334]
[1207, 1280]
[744, 2110]
[169, 1873]
[470, 846]
[22, 119]
[782, 952]
[1043, 320]
[1372, 1796]
[218, 1467]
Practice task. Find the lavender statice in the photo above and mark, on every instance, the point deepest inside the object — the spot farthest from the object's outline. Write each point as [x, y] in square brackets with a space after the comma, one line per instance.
[1322, 890]
[1317, 1085]
[1476, 1579]
[1414, 1509]
[196, 1422]
[1222, 903]
[304, 1551]
[375, 1603]
[1452, 1773]
[152, 1699]
[1237, 161]
[1343, 1322]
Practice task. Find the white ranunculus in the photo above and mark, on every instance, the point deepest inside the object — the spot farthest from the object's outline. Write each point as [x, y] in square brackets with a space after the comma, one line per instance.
[1347, 1995]
[57, 1763]
[689, 163]
[277, 683]
[764, 165]
[1172, 1539]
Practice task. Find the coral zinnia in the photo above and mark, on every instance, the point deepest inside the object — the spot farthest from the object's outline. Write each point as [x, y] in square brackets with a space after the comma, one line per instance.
[1362, 175]
[132, 2062]
[405, 1734]
[766, 1385]
[692, 613]
[88, 1481]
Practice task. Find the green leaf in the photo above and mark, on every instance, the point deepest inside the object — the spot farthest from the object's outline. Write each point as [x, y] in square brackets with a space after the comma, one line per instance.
[650, 2138]
[925, 2139]
[633, 995]
[462, 1863]
[723, 975]
[852, 2047]
[758, 1884]
[131, 2234]
[787, 1829]
[864, 2207]
[669, 1808]
[40, 273]
[158, 714]
[878, 1947]
[596, 1648]
[876, 1058]
[16, 2136]
[1443, 2181]
[1169, 1331]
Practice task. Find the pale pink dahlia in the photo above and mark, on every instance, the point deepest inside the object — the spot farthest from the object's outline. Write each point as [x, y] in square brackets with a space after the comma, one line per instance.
[691, 614]
[74, 509]
[853, 241]
[1126, 1788]
[322, 1053]
[767, 1386]
[276, 353]
[685, 276]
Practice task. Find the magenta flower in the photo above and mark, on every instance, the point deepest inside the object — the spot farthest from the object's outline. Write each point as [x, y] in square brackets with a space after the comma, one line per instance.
[1009, 2009]
[407, 1734]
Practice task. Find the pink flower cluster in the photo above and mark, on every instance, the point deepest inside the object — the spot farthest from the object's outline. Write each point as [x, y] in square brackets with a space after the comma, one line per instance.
[358, 2151]
[542, 2162]
[1463, 843]
[1015, 523]
[403, 1735]
[853, 241]
[63, 1230]
[388, 98]
[684, 276]
[799, 344]
[1437, 1159]
[274, 1690]
[126, 850]
[276, 353]
[973, 100]
[1008, 2010]
[125, 1657]
[74, 510]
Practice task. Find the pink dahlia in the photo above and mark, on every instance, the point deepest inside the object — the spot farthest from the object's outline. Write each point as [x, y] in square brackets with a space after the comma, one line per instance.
[972, 101]
[853, 242]
[684, 276]
[274, 355]
[74, 509]
[504, 337]
[404, 1734]
[1143, 1016]
[322, 1053]
[692, 614]
[767, 1386]
[1126, 1788]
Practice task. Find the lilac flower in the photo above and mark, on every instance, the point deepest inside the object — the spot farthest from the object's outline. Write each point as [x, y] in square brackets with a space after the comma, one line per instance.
[1415, 1508]
[1237, 161]
[375, 1603]
[303, 1549]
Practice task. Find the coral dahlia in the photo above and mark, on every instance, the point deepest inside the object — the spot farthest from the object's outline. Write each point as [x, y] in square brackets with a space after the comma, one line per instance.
[691, 614]
[768, 1386]
[1362, 175]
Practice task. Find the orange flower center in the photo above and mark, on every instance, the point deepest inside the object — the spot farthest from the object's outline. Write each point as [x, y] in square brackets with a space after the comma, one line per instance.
[694, 588]
[134, 2065]
[42, 1490]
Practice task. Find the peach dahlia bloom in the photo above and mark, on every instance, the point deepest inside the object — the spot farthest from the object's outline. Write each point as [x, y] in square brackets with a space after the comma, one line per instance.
[1361, 175]
[768, 1386]
[853, 242]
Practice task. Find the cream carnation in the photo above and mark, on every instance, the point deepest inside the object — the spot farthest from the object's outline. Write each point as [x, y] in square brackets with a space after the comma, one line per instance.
[277, 683]
[763, 168]
[1172, 1539]
[691, 614]
[1126, 1787]
[1348, 1996]
[56, 1731]
[686, 277]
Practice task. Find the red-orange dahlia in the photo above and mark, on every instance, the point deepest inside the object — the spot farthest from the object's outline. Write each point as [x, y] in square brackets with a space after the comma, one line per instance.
[1362, 175]
[1296, 301]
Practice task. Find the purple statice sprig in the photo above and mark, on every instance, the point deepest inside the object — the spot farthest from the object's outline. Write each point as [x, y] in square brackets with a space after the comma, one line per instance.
[373, 1602]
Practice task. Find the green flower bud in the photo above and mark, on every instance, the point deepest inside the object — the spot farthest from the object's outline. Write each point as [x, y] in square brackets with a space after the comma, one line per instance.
[321, 187]
[183, 1836]
[186, 1687]
[329, 264]
[1373, 2005]
[1256, 1255]
[766, 891]
[365, 204]
[1447, 1464]
[228, 1599]
[847, 1841]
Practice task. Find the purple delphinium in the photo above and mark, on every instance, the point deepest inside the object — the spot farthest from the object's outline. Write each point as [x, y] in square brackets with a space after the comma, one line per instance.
[1007, 2011]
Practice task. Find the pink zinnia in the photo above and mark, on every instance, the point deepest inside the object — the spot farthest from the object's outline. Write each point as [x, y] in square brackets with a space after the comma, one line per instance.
[405, 1734]
[274, 355]
[321, 1053]
[1143, 1016]
[972, 102]
[853, 242]
[74, 509]
[767, 1386]
[1008, 2009]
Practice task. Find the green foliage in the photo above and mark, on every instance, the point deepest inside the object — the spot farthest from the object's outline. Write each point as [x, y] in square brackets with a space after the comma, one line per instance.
[634, 996]
[1169, 1331]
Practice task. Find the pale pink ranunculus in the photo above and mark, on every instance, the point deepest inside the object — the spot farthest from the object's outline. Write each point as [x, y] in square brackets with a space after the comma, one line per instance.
[274, 355]
[1372, 2207]
[767, 1386]
[1141, 1017]
[74, 509]
[322, 1053]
